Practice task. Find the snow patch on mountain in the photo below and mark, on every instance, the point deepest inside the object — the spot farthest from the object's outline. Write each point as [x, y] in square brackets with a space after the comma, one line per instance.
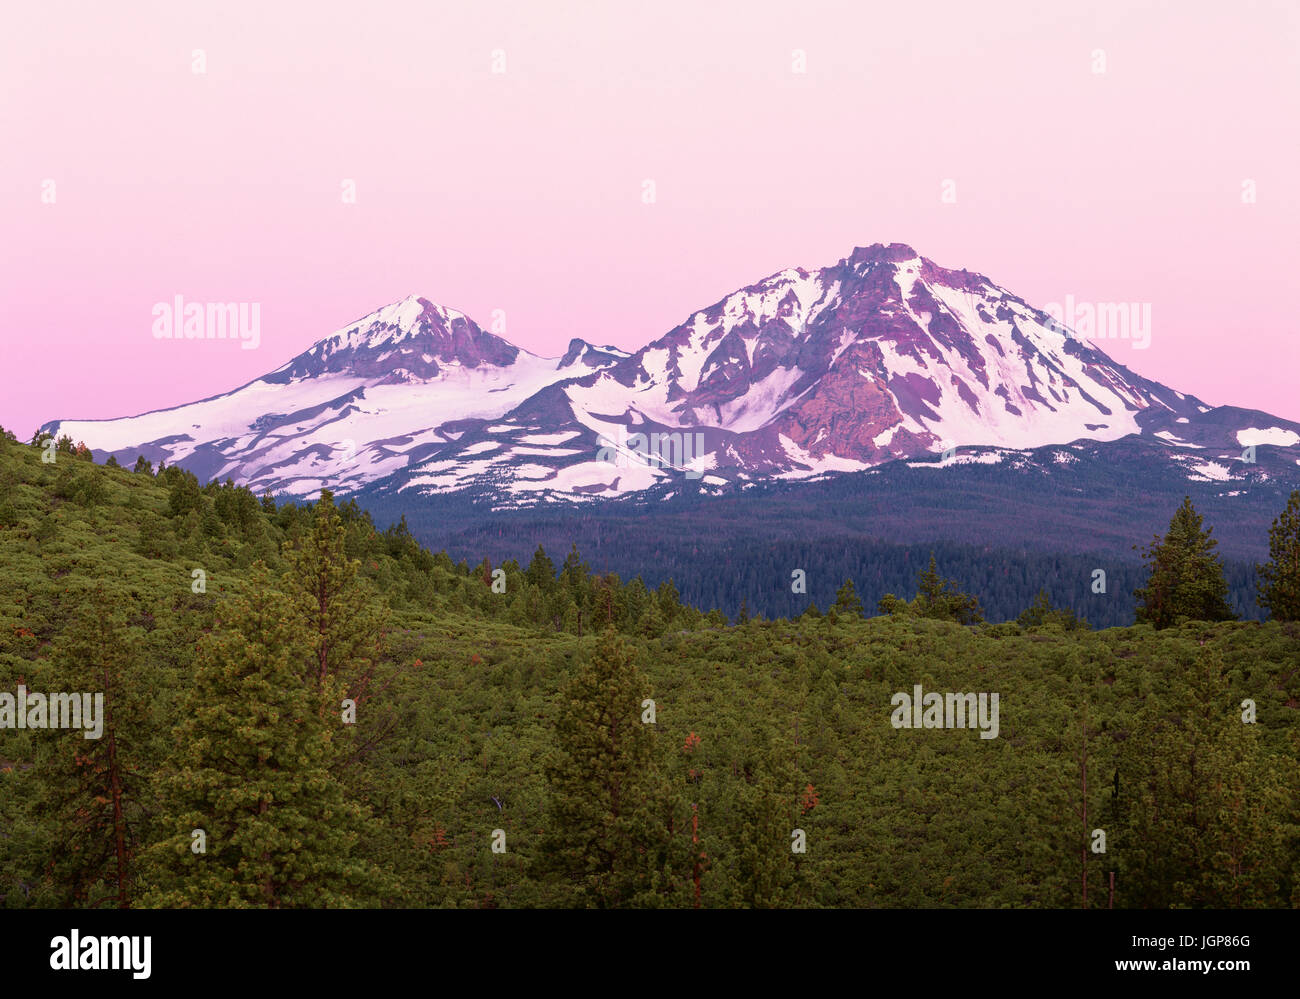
[1273, 435]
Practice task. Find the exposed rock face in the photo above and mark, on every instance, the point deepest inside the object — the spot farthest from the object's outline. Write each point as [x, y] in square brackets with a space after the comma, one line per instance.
[880, 356]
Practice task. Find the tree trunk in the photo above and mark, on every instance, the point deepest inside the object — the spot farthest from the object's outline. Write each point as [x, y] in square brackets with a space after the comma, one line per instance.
[115, 783]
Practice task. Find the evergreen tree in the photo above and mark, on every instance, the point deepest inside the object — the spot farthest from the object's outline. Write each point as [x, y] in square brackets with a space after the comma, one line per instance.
[1185, 575]
[252, 772]
[890, 604]
[766, 817]
[610, 606]
[1041, 613]
[1202, 802]
[652, 622]
[941, 599]
[1279, 589]
[608, 835]
[184, 495]
[846, 600]
[541, 570]
[670, 604]
[574, 571]
[346, 626]
[930, 586]
[93, 790]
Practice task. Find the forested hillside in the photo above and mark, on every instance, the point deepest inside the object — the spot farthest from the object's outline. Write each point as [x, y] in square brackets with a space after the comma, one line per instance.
[1003, 530]
[303, 710]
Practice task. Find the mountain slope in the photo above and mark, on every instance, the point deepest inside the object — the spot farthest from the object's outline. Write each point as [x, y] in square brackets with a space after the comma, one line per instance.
[358, 405]
[882, 356]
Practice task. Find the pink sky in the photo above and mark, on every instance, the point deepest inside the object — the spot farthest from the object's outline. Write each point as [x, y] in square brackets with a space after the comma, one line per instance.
[522, 191]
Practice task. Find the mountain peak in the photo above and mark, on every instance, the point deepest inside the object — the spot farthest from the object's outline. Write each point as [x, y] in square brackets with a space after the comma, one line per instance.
[407, 340]
[892, 253]
[883, 355]
[407, 314]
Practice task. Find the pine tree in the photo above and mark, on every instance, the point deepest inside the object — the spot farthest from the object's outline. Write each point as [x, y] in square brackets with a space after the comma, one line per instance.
[1186, 577]
[890, 604]
[929, 586]
[1041, 613]
[609, 602]
[541, 570]
[184, 495]
[846, 600]
[1279, 589]
[652, 622]
[942, 599]
[574, 571]
[766, 815]
[251, 771]
[608, 834]
[93, 792]
[347, 628]
[669, 600]
[1202, 801]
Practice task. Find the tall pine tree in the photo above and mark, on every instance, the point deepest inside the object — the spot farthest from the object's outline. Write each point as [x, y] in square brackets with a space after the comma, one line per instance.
[251, 774]
[1186, 576]
[93, 789]
[611, 835]
[346, 626]
[1279, 586]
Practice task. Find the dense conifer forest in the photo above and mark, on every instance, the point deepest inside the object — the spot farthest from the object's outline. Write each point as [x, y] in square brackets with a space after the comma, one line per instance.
[303, 710]
[1004, 531]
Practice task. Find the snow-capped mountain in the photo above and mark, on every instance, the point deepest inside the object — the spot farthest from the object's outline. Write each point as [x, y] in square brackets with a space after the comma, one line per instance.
[885, 355]
[359, 405]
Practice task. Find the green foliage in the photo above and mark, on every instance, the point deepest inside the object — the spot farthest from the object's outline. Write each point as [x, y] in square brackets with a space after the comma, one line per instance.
[942, 600]
[1041, 614]
[767, 809]
[489, 710]
[184, 494]
[252, 772]
[344, 622]
[846, 600]
[1279, 591]
[1208, 810]
[609, 812]
[936, 598]
[541, 570]
[1186, 577]
[93, 788]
